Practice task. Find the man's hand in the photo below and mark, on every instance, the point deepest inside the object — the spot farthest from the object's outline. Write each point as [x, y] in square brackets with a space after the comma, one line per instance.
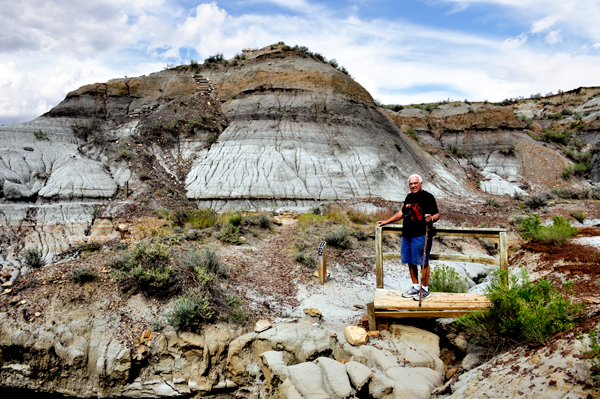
[381, 223]
[428, 218]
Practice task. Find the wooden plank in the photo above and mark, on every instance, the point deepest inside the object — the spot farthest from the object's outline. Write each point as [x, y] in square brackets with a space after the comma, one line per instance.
[452, 314]
[465, 258]
[322, 263]
[452, 230]
[372, 317]
[392, 299]
[482, 234]
[378, 257]
[449, 257]
[503, 249]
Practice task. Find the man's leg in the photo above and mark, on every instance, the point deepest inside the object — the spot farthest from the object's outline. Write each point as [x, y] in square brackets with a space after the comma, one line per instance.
[426, 270]
[414, 273]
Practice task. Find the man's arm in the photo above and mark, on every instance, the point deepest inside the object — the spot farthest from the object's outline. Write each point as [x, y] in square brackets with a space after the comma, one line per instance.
[432, 218]
[394, 218]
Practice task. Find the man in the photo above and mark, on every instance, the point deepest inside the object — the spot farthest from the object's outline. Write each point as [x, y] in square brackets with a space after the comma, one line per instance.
[418, 211]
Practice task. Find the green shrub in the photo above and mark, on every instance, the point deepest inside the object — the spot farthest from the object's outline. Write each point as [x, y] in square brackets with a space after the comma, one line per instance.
[86, 128]
[230, 234]
[360, 234]
[412, 132]
[521, 312]
[180, 217]
[207, 259]
[194, 234]
[145, 267]
[557, 233]
[91, 246]
[359, 217]
[238, 314]
[446, 279]
[339, 237]
[493, 202]
[263, 220]
[83, 275]
[156, 325]
[556, 115]
[40, 135]
[560, 137]
[125, 153]
[236, 219]
[455, 150]
[537, 200]
[191, 311]
[593, 354]
[568, 193]
[306, 259]
[507, 150]
[578, 215]
[530, 226]
[155, 277]
[33, 258]
[576, 169]
[202, 218]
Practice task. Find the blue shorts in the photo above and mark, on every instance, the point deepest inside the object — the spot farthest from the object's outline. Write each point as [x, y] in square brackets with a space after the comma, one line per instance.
[412, 250]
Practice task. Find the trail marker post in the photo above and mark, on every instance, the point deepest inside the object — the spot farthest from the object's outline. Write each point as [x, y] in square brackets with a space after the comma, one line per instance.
[322, 263]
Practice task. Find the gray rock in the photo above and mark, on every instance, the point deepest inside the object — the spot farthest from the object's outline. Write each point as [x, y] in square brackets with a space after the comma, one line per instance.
[15, 191]
[419, 381]
[381, 385]
[75, 177]
[304, 341]
[308, 380]
[336, 381]
[359, 374]
[289, 391]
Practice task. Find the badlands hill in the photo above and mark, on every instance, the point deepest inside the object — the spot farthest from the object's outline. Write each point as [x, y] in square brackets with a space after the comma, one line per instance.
[273, 127]
[277, 128]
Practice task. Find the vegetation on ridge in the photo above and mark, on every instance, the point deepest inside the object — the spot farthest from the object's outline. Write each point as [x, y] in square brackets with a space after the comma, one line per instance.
[521, 312]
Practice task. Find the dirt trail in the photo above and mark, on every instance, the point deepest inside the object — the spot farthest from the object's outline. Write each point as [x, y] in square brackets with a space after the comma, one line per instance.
[264, 274]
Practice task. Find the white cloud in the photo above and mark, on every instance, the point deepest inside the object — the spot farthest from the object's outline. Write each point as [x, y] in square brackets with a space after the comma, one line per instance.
[543, 24]
[48, 48]
[517, 41]
[554, 37]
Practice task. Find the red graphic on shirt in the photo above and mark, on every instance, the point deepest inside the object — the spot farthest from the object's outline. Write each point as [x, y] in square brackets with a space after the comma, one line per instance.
[415, 212]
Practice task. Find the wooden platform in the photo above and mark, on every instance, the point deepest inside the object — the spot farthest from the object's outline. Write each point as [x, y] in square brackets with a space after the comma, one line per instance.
[391, 304]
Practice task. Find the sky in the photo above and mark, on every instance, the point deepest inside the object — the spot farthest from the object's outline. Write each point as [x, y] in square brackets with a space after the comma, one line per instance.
[401, 51]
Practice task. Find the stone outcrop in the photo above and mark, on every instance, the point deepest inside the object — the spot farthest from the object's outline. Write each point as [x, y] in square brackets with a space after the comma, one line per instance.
[88, 354]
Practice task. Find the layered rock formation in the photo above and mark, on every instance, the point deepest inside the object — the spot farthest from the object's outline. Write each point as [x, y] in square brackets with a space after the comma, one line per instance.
[275, 126]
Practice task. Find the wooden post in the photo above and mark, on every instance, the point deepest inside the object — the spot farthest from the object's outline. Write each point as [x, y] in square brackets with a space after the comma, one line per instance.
[126, 189]
[322, 263]
[503, 249]
[379, 256]
[371, 315]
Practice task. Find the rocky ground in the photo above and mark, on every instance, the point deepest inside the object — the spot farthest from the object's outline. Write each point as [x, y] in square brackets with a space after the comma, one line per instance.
[274, 287]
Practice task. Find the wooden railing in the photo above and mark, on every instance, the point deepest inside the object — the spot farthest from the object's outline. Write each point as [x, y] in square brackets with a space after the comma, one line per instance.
[500, 234]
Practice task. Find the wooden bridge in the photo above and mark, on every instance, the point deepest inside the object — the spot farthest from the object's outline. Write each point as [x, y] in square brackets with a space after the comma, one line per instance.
[390, 304]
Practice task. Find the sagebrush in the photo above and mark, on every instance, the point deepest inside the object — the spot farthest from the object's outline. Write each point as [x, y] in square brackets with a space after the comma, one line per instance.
[521, 312]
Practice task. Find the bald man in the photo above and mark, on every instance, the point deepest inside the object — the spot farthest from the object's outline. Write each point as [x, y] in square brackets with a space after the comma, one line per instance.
[419, 210]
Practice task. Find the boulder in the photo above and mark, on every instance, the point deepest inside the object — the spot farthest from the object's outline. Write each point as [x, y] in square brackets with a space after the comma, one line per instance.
[335, 378]
[359, 374]
[419, 381]
[356, 335]
[262, 325]
[307, 379]
[380, 385]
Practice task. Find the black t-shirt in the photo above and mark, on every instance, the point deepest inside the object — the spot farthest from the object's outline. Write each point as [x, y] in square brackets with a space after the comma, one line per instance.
[415, 207]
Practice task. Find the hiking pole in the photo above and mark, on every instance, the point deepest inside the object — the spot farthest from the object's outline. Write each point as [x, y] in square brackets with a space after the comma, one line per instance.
[423, 265]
